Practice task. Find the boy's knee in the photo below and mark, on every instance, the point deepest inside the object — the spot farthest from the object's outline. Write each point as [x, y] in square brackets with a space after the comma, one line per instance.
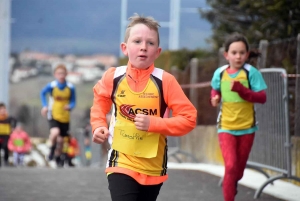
[54, 133]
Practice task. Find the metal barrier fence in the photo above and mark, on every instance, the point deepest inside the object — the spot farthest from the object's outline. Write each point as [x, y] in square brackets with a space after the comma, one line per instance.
[175, 151]
[272, 145]
[96, 151]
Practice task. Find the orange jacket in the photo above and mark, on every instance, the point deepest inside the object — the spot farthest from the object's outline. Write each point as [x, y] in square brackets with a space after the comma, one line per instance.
[183, 112]
[73, 148]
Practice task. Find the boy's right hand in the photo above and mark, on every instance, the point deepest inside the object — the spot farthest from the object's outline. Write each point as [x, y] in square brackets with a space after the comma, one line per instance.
[100, 135]
[44, 111]
[215, 100]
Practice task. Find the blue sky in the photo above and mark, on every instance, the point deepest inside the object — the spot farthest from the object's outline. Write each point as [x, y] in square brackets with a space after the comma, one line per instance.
[93, 26]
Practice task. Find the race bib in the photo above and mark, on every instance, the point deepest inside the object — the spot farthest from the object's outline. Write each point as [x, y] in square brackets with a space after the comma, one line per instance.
[129, 140]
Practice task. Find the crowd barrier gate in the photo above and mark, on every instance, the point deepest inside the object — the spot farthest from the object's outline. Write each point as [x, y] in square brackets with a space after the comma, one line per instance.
[272, 148]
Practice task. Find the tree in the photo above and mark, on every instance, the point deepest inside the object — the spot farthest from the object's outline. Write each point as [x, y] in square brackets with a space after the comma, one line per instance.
[256, 19]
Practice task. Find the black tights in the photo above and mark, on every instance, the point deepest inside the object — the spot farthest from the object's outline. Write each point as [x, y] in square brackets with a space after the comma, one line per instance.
[124, 188]
[3, 145]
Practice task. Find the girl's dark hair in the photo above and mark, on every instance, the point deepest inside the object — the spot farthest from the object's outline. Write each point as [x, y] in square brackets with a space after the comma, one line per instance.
[237, 37]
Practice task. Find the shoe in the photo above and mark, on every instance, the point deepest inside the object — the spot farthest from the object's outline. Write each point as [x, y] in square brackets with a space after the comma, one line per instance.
[50, 157]
[51, 154]
[59, 162]
[52, 164]
[71, 164]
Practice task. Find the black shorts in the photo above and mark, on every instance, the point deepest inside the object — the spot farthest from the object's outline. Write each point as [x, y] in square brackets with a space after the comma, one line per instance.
[63, 127]
[124, 188]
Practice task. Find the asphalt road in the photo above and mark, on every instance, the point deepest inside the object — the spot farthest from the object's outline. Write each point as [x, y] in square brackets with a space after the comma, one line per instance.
[90, 184]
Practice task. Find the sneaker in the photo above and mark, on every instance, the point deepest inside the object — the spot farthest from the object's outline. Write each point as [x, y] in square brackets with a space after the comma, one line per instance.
[52, 164]
[71, 164]
[58, 161]
[51, 153]
[50, 157]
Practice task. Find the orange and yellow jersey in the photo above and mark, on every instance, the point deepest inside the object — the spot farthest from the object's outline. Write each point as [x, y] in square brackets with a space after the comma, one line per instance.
[6, 125]
[61, 95]
[149, 91]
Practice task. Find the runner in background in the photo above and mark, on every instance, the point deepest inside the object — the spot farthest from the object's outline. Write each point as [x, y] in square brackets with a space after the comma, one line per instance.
[7, 124]
[62, 100]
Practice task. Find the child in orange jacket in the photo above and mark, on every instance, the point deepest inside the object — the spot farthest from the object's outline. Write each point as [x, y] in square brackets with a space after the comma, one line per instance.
[141, 96]
[19, 143]
[73, 150]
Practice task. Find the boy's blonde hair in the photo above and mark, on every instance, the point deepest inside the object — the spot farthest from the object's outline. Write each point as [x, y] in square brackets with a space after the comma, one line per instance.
[139, 19]
[60, 66]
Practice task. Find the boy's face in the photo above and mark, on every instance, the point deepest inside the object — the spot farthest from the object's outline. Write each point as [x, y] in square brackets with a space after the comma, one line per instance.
[60, 75]
[3, 111]
[141, 47]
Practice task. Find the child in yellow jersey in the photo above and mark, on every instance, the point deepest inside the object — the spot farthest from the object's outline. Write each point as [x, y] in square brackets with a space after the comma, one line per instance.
[141, 96]
[238, 86]
[62, 100]
[7, 124]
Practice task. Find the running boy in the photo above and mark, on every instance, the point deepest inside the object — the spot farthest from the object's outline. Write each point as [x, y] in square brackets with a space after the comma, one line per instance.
[7, 124]
[240, 85]
[141, 95]
[62, 100]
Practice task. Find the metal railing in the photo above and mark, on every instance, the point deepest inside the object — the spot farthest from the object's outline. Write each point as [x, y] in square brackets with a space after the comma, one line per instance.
[272, 144]
[96, 150]
[174, 150]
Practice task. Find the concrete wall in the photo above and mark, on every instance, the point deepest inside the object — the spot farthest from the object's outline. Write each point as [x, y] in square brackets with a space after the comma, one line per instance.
[296, 157]
[203, 143]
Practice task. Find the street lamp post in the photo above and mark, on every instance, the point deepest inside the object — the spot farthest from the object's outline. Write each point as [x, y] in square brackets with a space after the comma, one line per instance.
[4, 50]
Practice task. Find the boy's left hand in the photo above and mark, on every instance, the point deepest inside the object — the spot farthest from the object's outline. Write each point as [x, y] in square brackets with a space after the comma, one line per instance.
[67, 107]
[142, 122]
